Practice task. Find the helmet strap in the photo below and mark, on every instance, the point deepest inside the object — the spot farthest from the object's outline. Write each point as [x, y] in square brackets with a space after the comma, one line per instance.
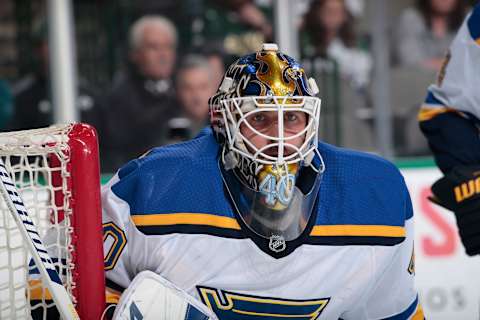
[230, 159]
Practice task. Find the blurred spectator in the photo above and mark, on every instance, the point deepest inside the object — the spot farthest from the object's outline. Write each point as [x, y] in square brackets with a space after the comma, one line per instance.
[148, 7]
[424, 32]
[195, 84]
[33, 97]
[240, 26]
[217, 69]
[5, 104]
[330, 31]
[251, 15]
[216, 61]
[142, 99]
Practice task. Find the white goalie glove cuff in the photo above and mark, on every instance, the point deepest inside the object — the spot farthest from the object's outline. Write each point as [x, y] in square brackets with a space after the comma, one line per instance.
[150, 296]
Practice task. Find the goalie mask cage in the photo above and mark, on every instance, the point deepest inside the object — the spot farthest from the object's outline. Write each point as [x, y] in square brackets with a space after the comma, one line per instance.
[57, 172]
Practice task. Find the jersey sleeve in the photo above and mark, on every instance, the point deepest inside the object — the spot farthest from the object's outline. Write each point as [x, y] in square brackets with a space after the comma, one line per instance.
[121, 260]
[453, 139]
[392, 295]
[450, 113]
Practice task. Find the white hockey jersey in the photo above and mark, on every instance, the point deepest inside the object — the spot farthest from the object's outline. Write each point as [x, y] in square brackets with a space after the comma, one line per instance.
[168, 213]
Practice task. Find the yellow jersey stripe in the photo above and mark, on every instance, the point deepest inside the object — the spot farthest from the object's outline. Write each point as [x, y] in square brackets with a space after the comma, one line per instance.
[185, 218]
[358, 230]
[419, 313]
[112, 298]
[427, 113]
[230, 223]
[37, 291]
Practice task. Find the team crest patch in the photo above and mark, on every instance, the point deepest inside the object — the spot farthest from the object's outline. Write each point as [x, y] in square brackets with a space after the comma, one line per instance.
[235, 306]
[411, 265]
[277, 243]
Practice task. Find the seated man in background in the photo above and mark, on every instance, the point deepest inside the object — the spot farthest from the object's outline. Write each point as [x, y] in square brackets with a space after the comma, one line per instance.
[142, 100]
[450, 119]
[216, 58]
[257, 219]
[195, 84]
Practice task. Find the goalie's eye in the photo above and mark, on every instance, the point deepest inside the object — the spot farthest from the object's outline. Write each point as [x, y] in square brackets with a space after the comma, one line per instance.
[295, 121]
[291, 117]
[259, 120]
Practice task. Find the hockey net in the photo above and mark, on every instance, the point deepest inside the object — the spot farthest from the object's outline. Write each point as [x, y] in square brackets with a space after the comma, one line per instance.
[57, 172]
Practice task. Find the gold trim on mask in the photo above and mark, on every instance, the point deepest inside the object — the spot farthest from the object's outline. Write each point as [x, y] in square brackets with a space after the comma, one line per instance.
[279, 77]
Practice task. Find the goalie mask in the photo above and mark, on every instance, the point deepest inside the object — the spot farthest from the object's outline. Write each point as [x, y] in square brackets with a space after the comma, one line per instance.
[265, 116]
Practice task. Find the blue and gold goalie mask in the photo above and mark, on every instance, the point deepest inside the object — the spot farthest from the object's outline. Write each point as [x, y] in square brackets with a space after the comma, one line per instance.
[266, 117]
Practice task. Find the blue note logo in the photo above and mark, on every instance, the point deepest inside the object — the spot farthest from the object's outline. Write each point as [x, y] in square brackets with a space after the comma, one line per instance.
[234, 306]
[135, 314]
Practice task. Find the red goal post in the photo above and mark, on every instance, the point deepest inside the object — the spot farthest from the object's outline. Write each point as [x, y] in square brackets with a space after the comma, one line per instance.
[57, 172]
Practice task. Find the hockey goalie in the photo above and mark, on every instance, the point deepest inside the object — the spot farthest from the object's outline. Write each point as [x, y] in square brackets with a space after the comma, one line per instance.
[256, 218]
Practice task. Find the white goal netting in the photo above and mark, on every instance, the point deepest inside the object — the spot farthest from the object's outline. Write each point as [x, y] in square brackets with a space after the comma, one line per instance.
[38, 161]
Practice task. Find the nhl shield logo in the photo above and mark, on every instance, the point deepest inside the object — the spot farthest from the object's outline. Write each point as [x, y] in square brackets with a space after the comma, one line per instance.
[277, 243]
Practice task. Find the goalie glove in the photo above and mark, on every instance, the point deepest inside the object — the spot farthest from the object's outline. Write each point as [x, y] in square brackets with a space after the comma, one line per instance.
[459, 191]
[151, 297]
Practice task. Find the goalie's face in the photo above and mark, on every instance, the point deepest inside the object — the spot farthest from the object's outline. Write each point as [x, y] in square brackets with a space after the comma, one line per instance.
[264, 130]
[272, 131]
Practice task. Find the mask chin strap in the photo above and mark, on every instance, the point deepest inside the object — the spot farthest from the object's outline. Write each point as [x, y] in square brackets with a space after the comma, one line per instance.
[229, 159]
[321, 167]
[309, 158]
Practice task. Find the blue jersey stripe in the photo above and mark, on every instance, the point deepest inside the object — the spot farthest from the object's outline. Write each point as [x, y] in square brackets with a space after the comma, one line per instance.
[407, 313]
[473, 23]
[431, 99]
